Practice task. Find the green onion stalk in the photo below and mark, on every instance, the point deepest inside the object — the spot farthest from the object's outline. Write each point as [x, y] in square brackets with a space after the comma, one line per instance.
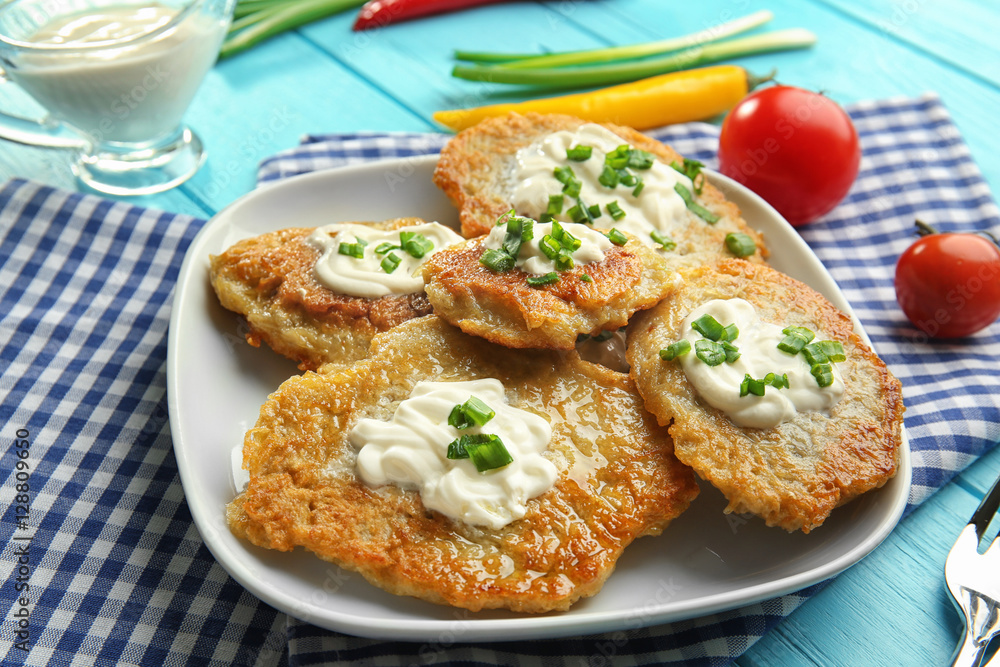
[607, 74]
[258, 20]
[606, 54]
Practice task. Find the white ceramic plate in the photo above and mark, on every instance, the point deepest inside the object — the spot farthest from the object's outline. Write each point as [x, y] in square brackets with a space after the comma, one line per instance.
[705, 561]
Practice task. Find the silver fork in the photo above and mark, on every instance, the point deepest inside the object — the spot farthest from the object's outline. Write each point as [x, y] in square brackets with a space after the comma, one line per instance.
[974, 582]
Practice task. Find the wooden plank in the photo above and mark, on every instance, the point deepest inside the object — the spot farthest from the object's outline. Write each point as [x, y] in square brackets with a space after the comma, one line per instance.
[892, 607]
[961, 33]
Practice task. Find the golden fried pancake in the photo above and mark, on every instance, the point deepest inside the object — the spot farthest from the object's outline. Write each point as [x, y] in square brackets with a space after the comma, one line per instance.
[617, 476]
[269, 280]
[505, 309]
[476, 171]
[793, 474]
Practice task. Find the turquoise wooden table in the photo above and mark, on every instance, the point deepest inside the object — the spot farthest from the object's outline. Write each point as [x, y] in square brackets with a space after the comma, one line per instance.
[892, 608]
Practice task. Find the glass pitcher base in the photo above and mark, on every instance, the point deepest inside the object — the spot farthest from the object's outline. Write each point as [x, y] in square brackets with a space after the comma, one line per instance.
[144, 171]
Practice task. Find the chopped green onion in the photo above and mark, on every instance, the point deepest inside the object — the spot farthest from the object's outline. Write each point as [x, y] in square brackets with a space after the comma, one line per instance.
[555, 206]
[579, 153]
[640, 159]
[356, 250]
[487, 453]
[627, 178]
[594, 212]
[415, 244]
[565, 239]
[572, 187]
[497, 260]
[795, 339]
[578, 214]
[617, 237]
[609, 177]
[674, 350]
[618, 158]
[814, 355]
[709, 327]
[544, 279]
[740, 244]
[664, 241]
[471, 413]
[519, 230]
[550, 247]
[585, 278]
[732, 332]
[732, 352]
[614, 210]
[383, 248]
[823, 374]
[751, 386]
[691, 169]
[564, 262]
[694, 206]
[833, 349]
[564, 174]
[390, 262]
[486, 450]
[710, 352]
[638, 188]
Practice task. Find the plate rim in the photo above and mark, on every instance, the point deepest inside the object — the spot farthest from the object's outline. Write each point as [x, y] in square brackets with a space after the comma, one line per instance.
[525, 627]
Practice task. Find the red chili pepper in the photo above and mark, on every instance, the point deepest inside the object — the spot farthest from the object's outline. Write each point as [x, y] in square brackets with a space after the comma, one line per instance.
[378, 13]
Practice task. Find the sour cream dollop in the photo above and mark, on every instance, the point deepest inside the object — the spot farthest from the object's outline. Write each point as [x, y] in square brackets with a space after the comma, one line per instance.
[364, 276]
[759, 355]
[657, 207]
[410, 450]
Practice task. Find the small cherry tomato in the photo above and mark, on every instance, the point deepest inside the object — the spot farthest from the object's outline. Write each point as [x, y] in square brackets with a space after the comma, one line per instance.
[948, 284]
[795, 148]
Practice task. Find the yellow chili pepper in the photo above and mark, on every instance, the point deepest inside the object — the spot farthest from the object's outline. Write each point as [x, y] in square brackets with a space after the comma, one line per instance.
[678, 97]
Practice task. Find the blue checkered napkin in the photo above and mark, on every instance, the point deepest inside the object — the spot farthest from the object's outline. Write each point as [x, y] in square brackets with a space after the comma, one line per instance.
[915, 164]
[116, 570]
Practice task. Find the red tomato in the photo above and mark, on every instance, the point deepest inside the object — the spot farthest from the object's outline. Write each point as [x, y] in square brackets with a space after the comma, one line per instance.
[949, 284]
[795, 148]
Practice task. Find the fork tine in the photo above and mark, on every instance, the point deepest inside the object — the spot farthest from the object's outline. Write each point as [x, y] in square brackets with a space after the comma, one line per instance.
[987, 509]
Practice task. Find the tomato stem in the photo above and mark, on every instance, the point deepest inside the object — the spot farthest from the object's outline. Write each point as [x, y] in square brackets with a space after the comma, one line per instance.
[924, 229]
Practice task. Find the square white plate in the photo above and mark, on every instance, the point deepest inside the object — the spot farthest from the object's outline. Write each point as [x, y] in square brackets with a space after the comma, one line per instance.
[704, 562]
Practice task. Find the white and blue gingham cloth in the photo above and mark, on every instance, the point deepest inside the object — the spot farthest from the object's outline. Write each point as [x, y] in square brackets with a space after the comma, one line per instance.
[116, 572]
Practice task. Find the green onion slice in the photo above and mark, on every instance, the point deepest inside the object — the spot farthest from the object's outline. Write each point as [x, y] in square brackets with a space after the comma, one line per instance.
[390, 262]
[674, 350]
[740, 244]
[544, 279]
[579, 153]
[664, 241]
[640, 159]
[497, 260]
[586, 278]
[710, 352]
[694, 206]
[709, 327]
[795, 339]
[471, 413]
[617, 237]
[833, 349]
[555, 206]
[609, 177]
[614, 210]
[823, 374]
[415, 244]
[385, 247]
[564, 174]
[691, 169]
[486, 450]
[565, 239]
[356, 250]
